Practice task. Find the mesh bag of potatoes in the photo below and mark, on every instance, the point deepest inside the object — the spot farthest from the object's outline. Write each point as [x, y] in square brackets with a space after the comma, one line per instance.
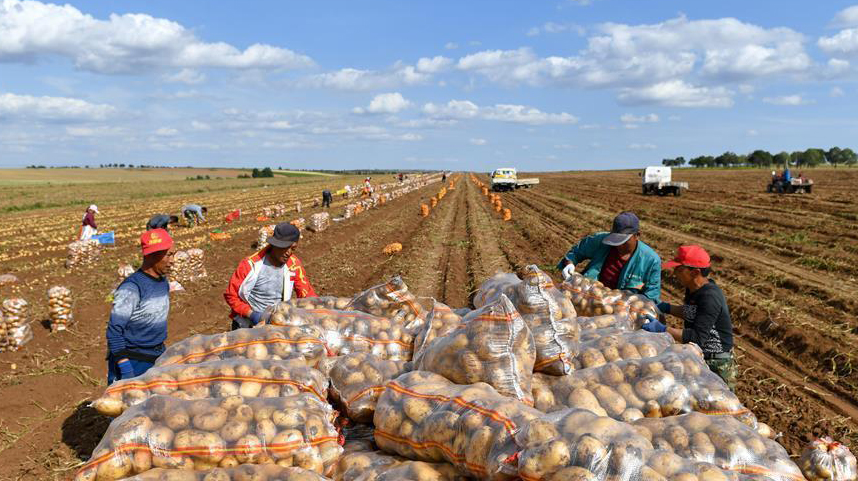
[347, 332]
[215, 379]
[181, 269]
[619, 321]
[492, 344]
[440, 321]
[263, 343]
[677, 381]
[60, 308]
[196, 265]
[359, 458]
[264, 232]
[14, 316]
[423, 416]
[357, 380]
[720, 440]
[244, 472]
[82, 253]
[321, 302]
[319, 222]
[392, 300]
[165, 432]
[576, 444]
[548, 313]
[825, 459]
[592, 298]
[370, 465]
[602, 346]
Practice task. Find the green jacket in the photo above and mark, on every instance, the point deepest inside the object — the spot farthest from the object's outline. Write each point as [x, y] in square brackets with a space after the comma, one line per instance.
[641, 274]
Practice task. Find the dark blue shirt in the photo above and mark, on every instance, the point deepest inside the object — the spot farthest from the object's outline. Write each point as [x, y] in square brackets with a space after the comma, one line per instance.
[138, 320]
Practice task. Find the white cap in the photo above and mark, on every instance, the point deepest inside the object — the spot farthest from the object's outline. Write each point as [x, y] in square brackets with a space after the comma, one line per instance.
[93, 208]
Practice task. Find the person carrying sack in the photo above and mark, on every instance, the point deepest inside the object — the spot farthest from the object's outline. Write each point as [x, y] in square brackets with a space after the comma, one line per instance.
[137, 327]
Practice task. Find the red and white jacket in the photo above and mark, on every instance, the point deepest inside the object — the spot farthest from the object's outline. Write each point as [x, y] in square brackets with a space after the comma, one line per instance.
[244, 278]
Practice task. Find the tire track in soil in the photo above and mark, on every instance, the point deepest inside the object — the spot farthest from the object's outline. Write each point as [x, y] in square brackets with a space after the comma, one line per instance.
[807, 389]
[486, 256]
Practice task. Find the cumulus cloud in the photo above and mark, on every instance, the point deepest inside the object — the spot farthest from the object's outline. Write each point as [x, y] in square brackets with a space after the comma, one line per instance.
[126, 43]
[637, 146]
[166, 132]
[848, 17]
[187, 76]
[553, 27]
[359, 80]
[465, 109]
[478, 141]
[842, 44]
[390, 103]
[634, 119]
[52, 108]
[791, 100]
[434, 65]
[451, 45]
[677, 93]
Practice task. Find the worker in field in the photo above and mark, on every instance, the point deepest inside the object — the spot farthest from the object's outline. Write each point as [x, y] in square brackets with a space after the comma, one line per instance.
[706, 317]
[618, 259]
[138, 321]
[326, 198]
[162, 221]
[266, 278]
[194, 214]
[88, 227]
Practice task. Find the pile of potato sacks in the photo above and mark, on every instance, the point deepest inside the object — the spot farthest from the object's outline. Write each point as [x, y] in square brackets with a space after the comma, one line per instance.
[521, 387]
[82, 253]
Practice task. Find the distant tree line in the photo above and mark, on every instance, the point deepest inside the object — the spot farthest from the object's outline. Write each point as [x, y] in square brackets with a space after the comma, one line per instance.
[760, 158]
[266, 172]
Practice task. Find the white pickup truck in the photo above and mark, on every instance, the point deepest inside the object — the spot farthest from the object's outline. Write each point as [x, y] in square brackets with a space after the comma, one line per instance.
[507, 179]
[656, 180]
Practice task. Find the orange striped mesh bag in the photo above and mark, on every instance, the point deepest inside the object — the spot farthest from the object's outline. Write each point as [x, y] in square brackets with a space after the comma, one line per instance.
[492, 344]
[244, 472]
[215, 379]
[357, 380]
[392, 300]
[601, 346]
[423, 416]
[170, 433]
[677, 381]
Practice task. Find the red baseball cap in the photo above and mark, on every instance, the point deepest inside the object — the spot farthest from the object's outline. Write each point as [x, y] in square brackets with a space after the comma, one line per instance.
[691, 256]
[155, 240]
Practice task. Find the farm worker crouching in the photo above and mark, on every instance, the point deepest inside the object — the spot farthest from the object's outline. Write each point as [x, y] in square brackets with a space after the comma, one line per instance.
[138, 321]
[88, 227]
[326, 198]
[705, 315]
[266, 278]
[618, 259]
[194, 213]
[162, 221]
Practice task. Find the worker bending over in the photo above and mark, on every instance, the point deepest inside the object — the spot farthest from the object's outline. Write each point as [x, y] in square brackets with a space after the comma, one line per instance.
[162, 221]
[705, 315]
[266, 278]
[618, 259]
[194, 213]
[326, 198]
[138, 321]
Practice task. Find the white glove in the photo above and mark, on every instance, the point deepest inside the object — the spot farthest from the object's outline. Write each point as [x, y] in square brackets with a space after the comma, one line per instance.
[568, 271]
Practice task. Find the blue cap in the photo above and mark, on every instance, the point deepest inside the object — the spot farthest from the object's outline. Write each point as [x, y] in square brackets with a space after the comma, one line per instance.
[625, 225]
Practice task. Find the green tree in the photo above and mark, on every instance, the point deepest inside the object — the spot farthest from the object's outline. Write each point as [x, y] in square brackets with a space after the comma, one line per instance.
[255, 173]
[266, 172]
[727, 159]
[848, 156]
[780, 159]
[812, 157]
[760, 158]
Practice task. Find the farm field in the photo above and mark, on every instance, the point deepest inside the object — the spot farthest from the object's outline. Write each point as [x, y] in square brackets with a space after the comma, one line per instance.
[788, 264]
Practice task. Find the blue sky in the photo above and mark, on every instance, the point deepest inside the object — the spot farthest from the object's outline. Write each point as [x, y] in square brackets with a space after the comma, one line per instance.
[552, 85]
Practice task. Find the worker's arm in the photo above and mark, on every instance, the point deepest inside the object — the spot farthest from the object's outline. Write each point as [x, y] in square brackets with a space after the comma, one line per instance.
[235, 302]
[125, 300]
[302, 286]
[652, 283]
[585, 249]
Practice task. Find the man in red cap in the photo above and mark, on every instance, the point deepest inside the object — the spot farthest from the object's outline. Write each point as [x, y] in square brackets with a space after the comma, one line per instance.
[705, 315]
[138, 321]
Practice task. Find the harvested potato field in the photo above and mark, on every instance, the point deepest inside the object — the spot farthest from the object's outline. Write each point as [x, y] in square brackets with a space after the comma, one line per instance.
[786, 263]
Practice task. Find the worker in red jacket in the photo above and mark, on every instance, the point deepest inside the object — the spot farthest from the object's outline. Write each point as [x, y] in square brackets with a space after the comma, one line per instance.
[266, 278]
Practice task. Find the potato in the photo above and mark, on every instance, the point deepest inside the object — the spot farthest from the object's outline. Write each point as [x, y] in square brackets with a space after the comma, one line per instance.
[233, 473]
[500, 340]
[358, 390]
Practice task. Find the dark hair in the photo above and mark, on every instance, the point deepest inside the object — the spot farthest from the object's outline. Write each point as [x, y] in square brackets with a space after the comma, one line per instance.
[705, 271]
[205, 209]
[174, 218]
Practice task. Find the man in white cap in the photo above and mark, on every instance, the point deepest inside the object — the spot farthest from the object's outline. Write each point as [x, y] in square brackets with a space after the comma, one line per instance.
[88, 227]
[618, 259]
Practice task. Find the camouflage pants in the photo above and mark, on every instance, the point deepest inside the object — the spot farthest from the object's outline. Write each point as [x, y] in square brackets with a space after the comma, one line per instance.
[727, 369]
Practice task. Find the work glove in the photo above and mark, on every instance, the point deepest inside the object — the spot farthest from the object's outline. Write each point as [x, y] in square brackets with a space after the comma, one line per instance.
[568, 271]
[663, 307]
[257, 317]
[126, 370]
[653, 325]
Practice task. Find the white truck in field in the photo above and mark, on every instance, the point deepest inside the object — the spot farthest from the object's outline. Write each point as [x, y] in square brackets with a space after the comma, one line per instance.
[507, 179]
[657, 180]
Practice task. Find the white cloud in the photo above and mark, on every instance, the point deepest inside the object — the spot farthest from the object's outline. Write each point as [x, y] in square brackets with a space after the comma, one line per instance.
[166, 132]
[98, 131]
[752, 133]
[791, 100]
[357, 80]
[479, 141]
[200, 126]
[553, 27]
[465, 109]
[677, 93]
[848, 17]
[633, 119]
[836, 92]
[125, 43]
[52, 108]
[451, 45]
[434, 65]
[411, 137]
[186, 75]
[389, 103]
[842, 44]
[643, 146]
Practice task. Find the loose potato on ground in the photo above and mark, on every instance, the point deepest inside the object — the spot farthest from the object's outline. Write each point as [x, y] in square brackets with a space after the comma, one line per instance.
[423, 416]
[203, 434]
[493, 345]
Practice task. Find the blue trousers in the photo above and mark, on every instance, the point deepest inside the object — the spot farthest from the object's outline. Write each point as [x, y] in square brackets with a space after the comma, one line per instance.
[113, 373]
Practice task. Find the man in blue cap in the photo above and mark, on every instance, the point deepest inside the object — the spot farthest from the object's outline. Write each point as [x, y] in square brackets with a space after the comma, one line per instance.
[618, 259]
